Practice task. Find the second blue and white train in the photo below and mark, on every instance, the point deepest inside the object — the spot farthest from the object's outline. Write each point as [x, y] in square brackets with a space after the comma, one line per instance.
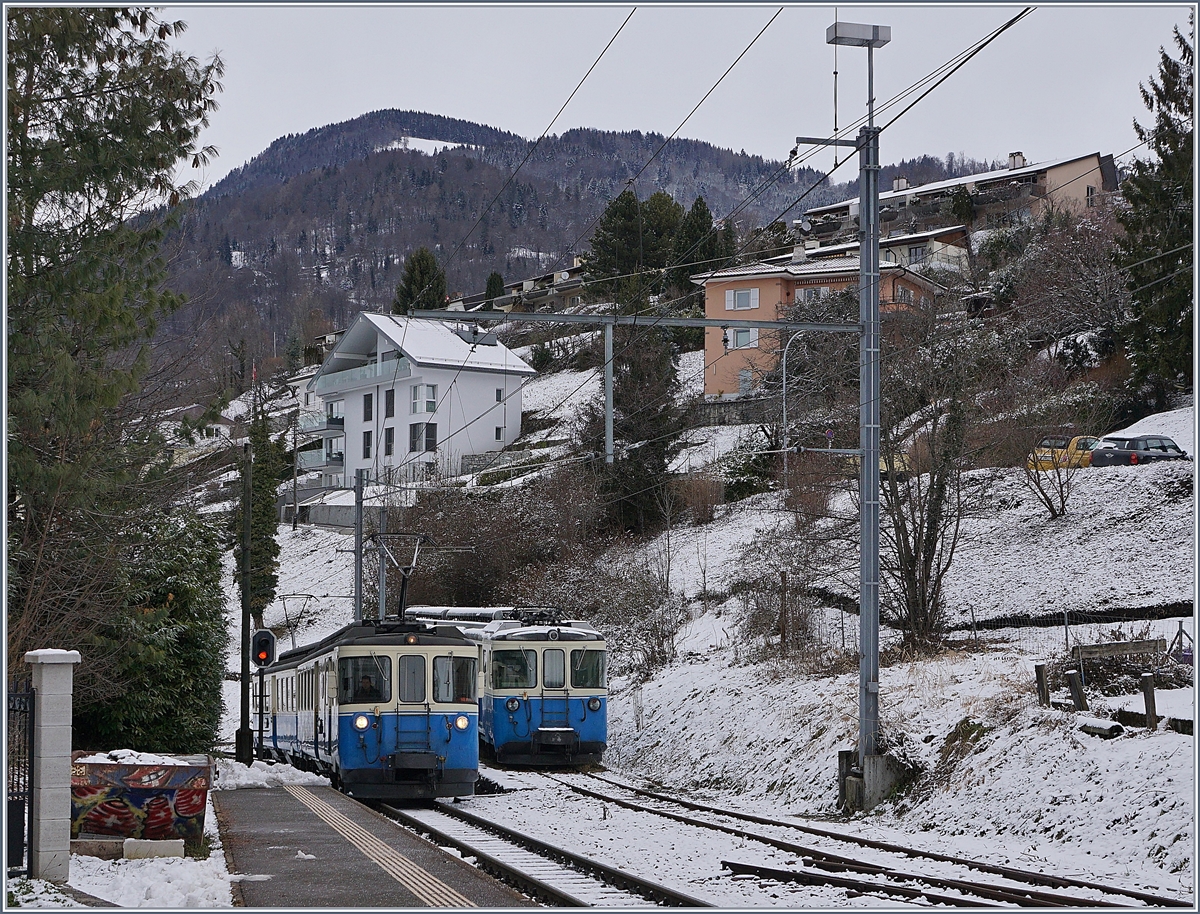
[543, 696]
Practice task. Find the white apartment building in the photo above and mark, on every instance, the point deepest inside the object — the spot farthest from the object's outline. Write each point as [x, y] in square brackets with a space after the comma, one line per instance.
[406, 399]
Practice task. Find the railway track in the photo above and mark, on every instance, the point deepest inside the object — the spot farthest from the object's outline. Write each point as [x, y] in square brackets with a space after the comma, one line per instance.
[549, 874]
[825, 867]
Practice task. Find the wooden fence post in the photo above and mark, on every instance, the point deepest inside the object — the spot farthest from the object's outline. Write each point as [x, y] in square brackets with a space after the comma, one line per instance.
[1076, 687]
[1148, 695]
[1043, 686]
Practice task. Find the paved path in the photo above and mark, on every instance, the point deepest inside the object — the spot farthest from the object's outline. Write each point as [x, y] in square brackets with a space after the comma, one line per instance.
[313, 847]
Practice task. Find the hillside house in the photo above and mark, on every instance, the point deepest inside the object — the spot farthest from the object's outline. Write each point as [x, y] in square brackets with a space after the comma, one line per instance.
[1002, 197]
[404, 399]
[734, 358]
[552, 291]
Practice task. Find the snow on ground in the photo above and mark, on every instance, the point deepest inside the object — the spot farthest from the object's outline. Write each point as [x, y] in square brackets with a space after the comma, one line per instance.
[1177, 424]
[561, 395]
[1002, 779]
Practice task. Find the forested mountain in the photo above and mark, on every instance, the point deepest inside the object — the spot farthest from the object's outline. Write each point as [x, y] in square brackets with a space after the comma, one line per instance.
[318, 226]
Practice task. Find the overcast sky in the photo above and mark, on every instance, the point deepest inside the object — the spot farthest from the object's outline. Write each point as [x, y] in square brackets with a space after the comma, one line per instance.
[1062, 82]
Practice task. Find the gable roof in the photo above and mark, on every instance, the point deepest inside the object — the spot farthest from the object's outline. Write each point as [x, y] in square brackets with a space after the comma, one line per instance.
[426, 343]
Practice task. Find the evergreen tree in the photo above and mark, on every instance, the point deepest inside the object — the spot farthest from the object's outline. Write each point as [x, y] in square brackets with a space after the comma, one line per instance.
[646, 430]
[1158, 221]
[632, 240]
[494, 289]
[423, 286]
[293, 352]
[100, 112]
[699, 247]
[169, 645]
[268, 468]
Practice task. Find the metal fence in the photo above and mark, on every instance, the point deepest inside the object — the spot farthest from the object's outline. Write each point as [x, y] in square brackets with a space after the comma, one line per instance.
[19, 775]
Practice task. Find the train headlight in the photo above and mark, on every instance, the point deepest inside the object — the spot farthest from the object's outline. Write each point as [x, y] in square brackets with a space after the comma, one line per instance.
[512, 704]
[462, 722]
[361, 722]
[593, 703]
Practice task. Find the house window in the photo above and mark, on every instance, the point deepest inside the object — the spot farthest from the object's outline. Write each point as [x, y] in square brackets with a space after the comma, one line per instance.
[367, 407]
[499, 394]
[916, 254]
[904, 294]
[424, 398]
[367, 445]
[307, 398]
[1092, 196]
[499, 432]
[745, 339]
[741, 299]
[389, 403]
[745, 381]
[422, 436]
[389, 441]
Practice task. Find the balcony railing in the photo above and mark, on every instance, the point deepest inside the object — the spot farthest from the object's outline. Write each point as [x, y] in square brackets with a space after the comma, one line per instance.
[317, 423]
[317, 460]
[392, 368]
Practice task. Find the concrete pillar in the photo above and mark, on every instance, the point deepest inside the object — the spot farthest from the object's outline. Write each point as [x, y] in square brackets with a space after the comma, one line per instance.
[50, 798]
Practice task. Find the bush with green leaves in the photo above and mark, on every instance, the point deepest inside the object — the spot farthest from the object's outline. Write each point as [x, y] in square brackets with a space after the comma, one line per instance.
[167, 645]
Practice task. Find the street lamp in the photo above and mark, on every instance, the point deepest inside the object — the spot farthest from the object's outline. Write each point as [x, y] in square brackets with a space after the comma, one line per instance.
[852, 34]
[786, 478]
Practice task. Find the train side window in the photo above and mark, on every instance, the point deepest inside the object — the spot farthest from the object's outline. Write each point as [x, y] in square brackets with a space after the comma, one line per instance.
[587, 669]
[453, 679]
[514, 669]
[554, 672]
[364, 679]
[410, 678]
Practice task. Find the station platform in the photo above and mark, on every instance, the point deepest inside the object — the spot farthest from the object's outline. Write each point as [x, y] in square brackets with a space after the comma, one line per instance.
[313, 847]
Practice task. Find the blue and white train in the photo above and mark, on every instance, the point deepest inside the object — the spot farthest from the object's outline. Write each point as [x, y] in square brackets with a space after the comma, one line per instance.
[388, 710]
[543, 699]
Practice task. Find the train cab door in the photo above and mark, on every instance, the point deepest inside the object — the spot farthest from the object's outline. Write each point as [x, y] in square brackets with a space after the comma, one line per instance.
[555, 714]
[326, 708]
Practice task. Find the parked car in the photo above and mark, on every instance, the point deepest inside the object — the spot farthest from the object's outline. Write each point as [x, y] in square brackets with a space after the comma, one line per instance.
[1062, 452]
[1119, 450]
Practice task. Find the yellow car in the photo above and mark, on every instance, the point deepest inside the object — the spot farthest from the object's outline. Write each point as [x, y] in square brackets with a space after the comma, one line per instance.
[1062, 452]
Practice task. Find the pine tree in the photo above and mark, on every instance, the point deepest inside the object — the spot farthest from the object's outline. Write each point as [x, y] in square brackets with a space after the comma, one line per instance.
[699, 247]
[646, 429]
[100, 112]
[267, 471]
[1158, 220]
[423, 286]
[494, 289]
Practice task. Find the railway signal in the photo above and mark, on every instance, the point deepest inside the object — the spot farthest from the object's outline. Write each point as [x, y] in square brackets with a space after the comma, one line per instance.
[262, 647]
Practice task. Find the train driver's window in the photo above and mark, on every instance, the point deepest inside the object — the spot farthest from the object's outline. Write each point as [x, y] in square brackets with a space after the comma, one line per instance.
[453, 678]
[514, 669]
[554, 673]
[410, 678]
[587, 669]
[364, 679]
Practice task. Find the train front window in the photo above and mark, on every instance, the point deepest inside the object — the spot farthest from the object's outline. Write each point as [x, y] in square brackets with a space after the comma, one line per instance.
[453, 679]
[554, 669]
[514, 669]
[364, 679]
[587, 669]
[410, 680]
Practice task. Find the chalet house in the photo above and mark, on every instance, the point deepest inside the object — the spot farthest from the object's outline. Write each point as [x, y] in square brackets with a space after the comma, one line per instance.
[735, 358]
[1002, 197]
[405, 398]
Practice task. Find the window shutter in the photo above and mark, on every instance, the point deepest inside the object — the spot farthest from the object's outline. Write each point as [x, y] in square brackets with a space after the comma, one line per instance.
[753, 338]
[729, 299]
[754, 298]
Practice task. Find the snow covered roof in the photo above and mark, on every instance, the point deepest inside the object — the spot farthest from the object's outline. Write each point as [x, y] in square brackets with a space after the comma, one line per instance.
[823, 266]
[981, 178]
[908, 238]
[428, 343]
